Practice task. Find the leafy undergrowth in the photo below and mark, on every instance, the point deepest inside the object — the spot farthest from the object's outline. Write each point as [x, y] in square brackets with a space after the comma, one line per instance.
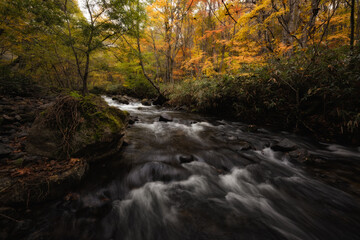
[134, 86]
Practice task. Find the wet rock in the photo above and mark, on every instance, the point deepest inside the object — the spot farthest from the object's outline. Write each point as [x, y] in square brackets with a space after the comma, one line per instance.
[121, 99]
[95, 211]
[4, 150]
[133, 119]
[244, 146]
[165, 118]
[182, 108]
[284, 145]
[313, 161]
[298, 155]
[146, 102]
[186, 158]
[231, 138]
[252, 128]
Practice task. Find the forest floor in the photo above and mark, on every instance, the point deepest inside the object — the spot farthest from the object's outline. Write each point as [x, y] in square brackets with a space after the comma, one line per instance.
[26, 178]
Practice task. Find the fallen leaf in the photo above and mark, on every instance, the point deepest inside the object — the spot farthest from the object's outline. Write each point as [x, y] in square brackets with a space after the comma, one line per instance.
[21, 172]
[74, 160]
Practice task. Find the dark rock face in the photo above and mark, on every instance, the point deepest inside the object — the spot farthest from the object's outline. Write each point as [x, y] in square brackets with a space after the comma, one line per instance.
[284, 145]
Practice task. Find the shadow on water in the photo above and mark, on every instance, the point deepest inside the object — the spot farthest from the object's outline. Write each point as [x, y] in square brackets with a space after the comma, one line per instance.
[200, 178]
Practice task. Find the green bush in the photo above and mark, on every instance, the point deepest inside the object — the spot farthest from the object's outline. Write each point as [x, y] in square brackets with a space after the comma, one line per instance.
[134, 86]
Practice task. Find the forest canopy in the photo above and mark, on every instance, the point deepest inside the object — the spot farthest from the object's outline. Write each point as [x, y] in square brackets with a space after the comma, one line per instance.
[255, 57]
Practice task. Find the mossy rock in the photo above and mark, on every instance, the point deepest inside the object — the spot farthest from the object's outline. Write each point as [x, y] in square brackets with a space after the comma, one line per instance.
[77, 126]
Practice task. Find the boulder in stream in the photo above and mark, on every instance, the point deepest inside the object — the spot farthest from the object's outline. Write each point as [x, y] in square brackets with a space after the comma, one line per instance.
[146, 102]
[186, 158]
[165, 118]
[285, 145]
[121, 99]
[77, 126]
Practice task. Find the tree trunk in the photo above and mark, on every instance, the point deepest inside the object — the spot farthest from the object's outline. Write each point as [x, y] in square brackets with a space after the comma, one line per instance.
[86, 74]
[358, 23]
[352, 25]
[143, 68]
[222, 58]
[310, 26]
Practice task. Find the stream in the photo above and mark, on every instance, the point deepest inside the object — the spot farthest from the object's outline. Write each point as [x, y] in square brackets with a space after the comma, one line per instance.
[197, 177]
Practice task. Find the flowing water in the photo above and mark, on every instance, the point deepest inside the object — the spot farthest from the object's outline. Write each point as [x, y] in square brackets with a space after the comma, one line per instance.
[198, 178]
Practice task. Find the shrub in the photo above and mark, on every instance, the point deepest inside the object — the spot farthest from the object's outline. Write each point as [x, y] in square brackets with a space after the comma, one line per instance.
[316, 94]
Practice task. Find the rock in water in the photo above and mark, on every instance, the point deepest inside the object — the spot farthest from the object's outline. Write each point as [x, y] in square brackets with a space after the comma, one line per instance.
[77, 126]
[284, 145]
[146, 102]
[186, 158]
[121, 99]
[160, 100]
[165, 118]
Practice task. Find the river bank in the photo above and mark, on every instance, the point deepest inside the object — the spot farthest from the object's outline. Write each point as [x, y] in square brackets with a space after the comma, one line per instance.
[30, 146]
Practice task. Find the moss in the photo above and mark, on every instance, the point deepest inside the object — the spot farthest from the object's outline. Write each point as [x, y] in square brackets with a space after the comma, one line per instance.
[101, 118]
[75, 94]
[89, 118]
[18, 162]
